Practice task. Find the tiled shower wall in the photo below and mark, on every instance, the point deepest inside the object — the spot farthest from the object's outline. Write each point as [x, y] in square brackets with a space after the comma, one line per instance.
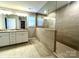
[67, 25]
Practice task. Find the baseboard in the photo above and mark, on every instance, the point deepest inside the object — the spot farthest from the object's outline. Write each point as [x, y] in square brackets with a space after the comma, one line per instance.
[57, 55]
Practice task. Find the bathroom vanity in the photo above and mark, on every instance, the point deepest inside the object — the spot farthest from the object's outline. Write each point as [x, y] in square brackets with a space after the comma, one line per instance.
[9, 37]
[13, 29]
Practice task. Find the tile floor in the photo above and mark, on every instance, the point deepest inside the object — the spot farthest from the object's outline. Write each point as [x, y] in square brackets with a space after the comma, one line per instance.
[33, 49]
[64, 51]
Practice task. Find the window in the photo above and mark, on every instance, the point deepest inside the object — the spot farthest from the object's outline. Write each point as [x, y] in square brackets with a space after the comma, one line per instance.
[31, 21]
[40, 21]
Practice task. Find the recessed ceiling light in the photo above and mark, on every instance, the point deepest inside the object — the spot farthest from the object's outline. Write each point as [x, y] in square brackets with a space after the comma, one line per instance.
[45, 11]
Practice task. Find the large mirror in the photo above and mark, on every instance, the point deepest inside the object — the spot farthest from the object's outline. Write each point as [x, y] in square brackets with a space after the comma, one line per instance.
[15, 22]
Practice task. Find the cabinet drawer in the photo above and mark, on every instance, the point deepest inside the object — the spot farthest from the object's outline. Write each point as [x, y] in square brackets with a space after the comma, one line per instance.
[12, 34]
[4, 35]
[22, 33]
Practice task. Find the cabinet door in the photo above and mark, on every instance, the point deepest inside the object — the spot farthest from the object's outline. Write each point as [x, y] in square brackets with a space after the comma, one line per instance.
[18, 37]
[21, 37]
[24, 36]
[12, 38]
[4, 39]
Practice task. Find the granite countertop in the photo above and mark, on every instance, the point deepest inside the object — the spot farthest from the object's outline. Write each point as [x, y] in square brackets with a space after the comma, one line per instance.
[20, 30]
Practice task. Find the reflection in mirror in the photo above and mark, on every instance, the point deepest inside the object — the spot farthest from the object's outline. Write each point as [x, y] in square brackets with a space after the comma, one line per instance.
[23, 21]
[10, 21]
[22, 24]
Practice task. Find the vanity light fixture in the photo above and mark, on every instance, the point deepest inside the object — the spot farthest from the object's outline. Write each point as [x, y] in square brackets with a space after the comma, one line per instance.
[21, 14]
[5, 12]
[10, 12]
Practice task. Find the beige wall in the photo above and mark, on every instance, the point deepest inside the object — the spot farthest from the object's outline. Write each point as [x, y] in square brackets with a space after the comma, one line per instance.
[49, 20]
[31, 32]
[67, 25]
[46, 36]
[2, 21]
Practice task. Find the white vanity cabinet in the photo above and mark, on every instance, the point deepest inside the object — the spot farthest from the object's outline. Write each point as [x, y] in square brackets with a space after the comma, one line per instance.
[4, 38]
[12, 38]
[21, 36]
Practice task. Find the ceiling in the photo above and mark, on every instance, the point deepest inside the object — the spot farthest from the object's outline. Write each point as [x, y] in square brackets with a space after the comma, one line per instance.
[52, 5]
[33, 6]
